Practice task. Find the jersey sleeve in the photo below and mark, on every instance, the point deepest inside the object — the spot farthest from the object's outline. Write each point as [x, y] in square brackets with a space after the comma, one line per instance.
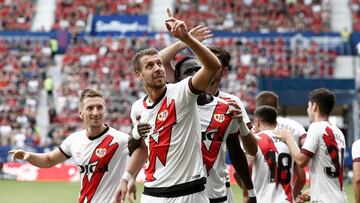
[65, 147]
[187, 93]
[355, 151]
[312, 141]
[301, 132]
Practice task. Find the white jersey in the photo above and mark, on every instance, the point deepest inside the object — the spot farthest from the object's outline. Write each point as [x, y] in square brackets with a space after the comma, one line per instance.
[272, 171]
[226, 96]
[355, 151]
[296, 129]
[325, 143]
[216, 126]
[101, 162]
[174, 142]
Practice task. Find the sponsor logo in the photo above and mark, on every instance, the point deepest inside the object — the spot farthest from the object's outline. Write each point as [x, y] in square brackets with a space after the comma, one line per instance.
[163, 115]
[100, 152]
[219, 117]
[93, 168]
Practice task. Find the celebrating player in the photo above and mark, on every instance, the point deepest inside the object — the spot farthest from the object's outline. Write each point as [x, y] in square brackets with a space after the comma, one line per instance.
[356, 169]
[168, 53]
[174, 141]
[272, 167]
[99, 150]
[296, 129]
[323, 149]
[219, 131]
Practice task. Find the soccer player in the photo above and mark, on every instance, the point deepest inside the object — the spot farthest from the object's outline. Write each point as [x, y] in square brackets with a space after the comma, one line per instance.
[248, 140]
[272, 167]
[296, 129]
[175, 170]
[323, 149]
[99, 150]
[356, 169]
[219, 131]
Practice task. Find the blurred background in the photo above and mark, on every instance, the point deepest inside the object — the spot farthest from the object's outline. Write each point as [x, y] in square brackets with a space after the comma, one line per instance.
[50, 50]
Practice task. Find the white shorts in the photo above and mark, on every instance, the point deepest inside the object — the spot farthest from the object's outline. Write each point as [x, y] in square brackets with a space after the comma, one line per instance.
[199, 197]
[230, 195]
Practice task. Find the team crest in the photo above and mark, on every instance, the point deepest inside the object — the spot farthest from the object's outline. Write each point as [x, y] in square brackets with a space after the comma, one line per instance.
[100, 152]
[163, 115]
[219, 117]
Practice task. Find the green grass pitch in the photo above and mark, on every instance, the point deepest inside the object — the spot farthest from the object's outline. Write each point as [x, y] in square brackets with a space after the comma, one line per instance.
[61, 192]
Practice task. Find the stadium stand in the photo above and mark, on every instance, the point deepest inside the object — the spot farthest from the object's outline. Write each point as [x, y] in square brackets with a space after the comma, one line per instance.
[16, 14]
[257, 15]
[23, 65]
[74, 15]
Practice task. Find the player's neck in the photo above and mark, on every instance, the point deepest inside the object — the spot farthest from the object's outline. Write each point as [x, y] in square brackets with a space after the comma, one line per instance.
[155, 94]
[266, 127]
[319, 117]
[93, 132]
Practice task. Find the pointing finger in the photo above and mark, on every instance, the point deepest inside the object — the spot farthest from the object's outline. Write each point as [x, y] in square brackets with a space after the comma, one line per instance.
[169, 12]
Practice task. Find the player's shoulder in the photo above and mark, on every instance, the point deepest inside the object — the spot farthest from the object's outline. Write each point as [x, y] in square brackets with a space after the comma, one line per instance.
[264, 134]
[290, 122]
[356, 144]
[227, 96]
[77, 134]
[117, 133]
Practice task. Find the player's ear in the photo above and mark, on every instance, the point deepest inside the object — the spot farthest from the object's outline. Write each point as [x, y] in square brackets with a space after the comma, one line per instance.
[80, 114]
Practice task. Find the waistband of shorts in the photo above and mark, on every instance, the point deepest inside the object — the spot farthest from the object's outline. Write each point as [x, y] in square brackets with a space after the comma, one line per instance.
[177, 190]
[227, 184]
[218, 200]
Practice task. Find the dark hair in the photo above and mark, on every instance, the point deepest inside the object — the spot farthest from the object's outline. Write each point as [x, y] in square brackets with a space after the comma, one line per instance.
[223, 56]
[178, 66]
[90, 93]
[325, 100]
[267, 114]
[136, 60]
[268, 98]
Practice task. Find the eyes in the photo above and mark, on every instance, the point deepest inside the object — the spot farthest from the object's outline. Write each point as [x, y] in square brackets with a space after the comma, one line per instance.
[151, 64]
[91, 108]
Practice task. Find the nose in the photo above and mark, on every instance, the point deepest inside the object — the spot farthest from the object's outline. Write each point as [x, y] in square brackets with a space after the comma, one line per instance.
[157, 67]
[95, 111]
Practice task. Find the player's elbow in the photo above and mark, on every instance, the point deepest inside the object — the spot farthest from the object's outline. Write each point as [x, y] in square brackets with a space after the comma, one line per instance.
[252, 151]
[302, 163]
[356, 181]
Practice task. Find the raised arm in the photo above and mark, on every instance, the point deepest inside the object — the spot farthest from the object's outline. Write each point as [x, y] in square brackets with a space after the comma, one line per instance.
[42, 160]
[203, 78]
[167, 54]
[247, 138]
[301, 159]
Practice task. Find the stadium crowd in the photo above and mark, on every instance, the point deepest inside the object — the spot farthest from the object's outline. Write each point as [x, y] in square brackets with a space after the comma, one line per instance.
[257, 15]
[23, 65]
[16, 14]
[74, 15]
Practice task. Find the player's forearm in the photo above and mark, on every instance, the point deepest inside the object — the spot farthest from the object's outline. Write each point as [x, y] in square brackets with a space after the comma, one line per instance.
[239, 161]
[206, 57]
[249, 144]
[41, 160]
[298, 157]
[137, 160]
[356, 180]
[300, 180]
[167, 54]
